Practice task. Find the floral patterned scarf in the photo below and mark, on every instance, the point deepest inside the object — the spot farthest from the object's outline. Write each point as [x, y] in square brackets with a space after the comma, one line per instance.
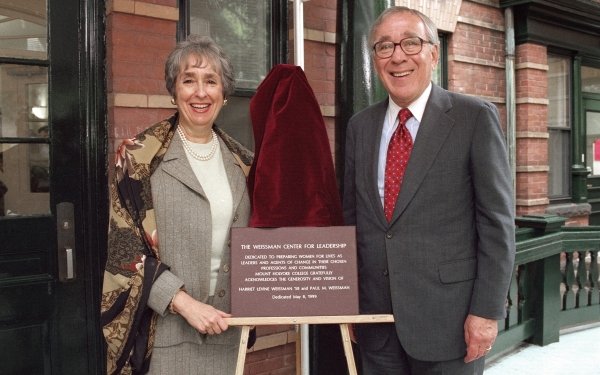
[133, 262]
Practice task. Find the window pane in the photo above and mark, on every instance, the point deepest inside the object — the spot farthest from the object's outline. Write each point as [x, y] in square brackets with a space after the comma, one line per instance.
[590, 79]
[24, 179]
[23, 27]
[23, 101]
[559, 126]
[235, 120]
[559, 161]
[559, 91]
[243, 29]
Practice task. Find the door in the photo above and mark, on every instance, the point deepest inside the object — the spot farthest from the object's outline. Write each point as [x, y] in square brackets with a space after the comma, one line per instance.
[51, 186]
[592, 126]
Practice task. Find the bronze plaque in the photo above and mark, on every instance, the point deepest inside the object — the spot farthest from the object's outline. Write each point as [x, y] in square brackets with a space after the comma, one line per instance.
[293, 271]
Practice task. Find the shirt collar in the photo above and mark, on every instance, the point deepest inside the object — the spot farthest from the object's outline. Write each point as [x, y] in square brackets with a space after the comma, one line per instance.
[417, 108]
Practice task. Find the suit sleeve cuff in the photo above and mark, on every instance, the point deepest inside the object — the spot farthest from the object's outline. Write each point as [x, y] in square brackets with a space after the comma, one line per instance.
[162, 292]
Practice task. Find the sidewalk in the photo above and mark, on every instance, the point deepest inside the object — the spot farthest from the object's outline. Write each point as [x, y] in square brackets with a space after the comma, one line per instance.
[577, 353]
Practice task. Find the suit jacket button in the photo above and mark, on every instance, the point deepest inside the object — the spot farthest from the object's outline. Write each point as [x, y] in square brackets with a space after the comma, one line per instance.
[388, 236]
[226, 268]
[385, 272]
[221, 293]
[235, 218]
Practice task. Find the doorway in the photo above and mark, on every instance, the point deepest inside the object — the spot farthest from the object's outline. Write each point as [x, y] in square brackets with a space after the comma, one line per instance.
[52, 186]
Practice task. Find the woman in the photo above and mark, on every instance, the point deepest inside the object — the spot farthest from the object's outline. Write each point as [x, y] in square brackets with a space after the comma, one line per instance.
[179, 187]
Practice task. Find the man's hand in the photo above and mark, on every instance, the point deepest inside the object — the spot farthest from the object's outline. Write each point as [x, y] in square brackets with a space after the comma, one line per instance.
[480, 334]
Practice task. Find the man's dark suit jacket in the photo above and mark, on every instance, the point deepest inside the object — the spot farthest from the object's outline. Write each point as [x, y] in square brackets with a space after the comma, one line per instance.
[449, 248]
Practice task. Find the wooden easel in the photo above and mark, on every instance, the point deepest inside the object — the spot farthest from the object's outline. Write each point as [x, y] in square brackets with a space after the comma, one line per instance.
[342, 320]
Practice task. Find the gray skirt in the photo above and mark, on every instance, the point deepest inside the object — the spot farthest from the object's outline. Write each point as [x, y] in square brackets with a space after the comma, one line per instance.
[194, 359]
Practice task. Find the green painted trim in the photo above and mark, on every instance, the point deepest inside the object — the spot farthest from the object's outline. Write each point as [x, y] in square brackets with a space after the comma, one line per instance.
[580, 315]
[513, 337]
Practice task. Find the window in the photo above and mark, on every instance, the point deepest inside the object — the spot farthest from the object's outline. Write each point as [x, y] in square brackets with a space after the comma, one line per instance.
[440, 74]
[559, 126]
[253, 34]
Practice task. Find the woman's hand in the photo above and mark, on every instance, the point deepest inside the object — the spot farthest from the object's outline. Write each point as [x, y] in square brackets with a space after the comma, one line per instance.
[202, 317]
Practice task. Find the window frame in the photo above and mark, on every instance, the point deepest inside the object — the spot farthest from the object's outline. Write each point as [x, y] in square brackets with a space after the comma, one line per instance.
[567, 174]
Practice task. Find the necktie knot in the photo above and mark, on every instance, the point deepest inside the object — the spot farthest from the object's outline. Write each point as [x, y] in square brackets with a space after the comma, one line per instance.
[404, 115]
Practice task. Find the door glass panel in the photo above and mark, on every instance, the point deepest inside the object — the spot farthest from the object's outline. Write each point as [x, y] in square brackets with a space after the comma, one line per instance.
[23, 29]
[593, 141]
[24, 179]
[24, 140]
[23, 101]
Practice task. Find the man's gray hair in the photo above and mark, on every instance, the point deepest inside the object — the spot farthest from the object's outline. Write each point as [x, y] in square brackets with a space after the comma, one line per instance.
[430, 27]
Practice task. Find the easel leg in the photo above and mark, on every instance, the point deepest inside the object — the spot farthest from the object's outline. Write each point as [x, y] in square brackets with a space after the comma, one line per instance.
[239, 369]
[348, 349]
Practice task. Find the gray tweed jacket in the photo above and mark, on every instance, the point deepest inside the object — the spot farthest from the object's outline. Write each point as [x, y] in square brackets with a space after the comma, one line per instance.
[184, 234]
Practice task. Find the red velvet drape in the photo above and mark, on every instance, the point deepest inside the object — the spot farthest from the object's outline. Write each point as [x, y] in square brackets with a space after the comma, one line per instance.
[292, 180]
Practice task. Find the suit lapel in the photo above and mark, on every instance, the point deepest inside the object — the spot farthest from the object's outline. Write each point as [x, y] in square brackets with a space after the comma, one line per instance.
[372, 139]
[176, 164]
[433, 131]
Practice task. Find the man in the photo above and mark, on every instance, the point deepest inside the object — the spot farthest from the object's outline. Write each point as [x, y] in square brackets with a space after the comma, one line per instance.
[442, 258]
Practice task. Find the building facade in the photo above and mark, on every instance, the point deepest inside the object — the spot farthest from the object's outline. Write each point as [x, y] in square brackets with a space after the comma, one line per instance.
[78, 76]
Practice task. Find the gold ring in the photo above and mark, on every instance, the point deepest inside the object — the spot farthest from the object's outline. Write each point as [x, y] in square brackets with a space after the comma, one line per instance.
[488, 348]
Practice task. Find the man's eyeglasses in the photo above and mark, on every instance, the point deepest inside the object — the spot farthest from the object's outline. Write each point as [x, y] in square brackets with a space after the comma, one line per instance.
[410, 46]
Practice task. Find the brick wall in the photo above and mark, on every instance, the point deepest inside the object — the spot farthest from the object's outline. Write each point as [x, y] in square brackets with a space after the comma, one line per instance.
[532, 129]
[320, 17]
[139, 36]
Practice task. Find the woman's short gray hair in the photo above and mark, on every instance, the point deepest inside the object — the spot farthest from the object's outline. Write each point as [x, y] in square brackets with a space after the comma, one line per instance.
[430, 27]
[201, 47]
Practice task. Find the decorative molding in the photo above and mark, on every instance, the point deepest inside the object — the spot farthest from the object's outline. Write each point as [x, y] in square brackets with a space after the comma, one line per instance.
[491, 99]
[570, 209]
[164, 101]
[142, 8]
[532, 168]
[160, 101]
[328, 110]
[475, 61]
[532, 202]
[476, 22]
[140, 100]
[532, 135]
[316, 36]
[491, 3]
[530, 65]
[529, 100]
[444, 13]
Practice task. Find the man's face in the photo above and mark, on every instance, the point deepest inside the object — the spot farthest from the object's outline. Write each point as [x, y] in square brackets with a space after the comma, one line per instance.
[405, 77]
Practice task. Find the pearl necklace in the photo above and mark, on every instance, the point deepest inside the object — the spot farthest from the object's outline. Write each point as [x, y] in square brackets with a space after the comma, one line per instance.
[195, 155]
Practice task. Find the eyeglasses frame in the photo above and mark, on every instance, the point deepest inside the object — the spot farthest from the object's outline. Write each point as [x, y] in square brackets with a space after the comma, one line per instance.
[400, 44]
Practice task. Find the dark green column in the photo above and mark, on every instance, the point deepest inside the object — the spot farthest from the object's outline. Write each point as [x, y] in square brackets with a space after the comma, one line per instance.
[579, 172]
[357, 84]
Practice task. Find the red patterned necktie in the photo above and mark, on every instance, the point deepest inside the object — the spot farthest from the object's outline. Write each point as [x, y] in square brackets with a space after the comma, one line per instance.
[398, 154]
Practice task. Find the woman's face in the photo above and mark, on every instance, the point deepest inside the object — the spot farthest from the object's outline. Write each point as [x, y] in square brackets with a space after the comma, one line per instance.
[198, 93]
